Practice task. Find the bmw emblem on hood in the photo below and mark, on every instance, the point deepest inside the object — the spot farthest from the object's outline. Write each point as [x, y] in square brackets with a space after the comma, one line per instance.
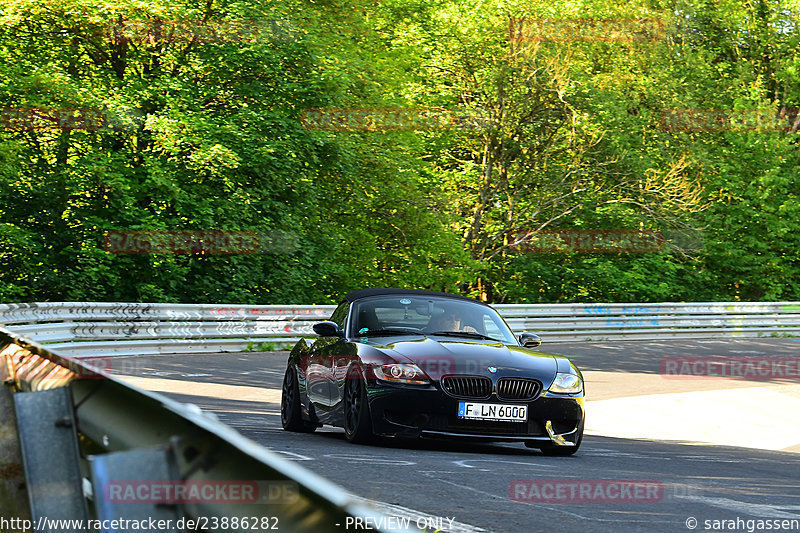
[493, 369]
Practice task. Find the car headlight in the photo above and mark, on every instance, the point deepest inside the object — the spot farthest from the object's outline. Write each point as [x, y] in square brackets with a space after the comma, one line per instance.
[401, 373]
[566, 383]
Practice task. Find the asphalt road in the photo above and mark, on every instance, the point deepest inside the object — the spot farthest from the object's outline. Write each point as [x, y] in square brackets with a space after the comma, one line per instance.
[473, 484]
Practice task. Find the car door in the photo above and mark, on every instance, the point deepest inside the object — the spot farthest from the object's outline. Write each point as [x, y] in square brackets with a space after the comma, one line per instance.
[321, 360]
[342, 355]
[345, 354]
[316, 376]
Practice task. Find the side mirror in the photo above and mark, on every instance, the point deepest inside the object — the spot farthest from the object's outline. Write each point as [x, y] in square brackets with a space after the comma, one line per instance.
[530, 340]
[327, 329]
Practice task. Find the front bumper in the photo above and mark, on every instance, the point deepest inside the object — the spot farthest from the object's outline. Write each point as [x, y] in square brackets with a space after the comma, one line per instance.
[404, 411]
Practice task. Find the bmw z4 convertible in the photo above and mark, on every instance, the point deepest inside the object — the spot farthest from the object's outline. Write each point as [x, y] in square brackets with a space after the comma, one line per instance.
[412, 363]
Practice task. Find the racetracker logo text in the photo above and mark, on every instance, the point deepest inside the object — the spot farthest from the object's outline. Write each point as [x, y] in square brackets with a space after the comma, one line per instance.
[585, 491]
[150, 31]
[719, 120]
[755, 368]
[182, 242]
[49, 118]
[377, 119]
[588, 241]
[198, 492]
[522, 30]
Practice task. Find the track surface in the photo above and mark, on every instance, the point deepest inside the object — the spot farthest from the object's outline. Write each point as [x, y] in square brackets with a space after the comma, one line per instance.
[470, 482]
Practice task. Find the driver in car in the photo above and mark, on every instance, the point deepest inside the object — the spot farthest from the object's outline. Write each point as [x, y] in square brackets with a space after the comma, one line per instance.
[450, 321]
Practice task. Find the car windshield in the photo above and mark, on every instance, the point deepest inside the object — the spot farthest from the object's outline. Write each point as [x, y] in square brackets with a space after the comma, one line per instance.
[428, 315]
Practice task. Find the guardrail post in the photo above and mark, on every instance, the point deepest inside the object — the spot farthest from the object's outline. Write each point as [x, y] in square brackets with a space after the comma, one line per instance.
[13, 490]
[117, 477]
[49, 442]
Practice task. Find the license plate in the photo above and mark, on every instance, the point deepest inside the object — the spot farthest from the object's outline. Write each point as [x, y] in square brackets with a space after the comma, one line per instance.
[493, 411]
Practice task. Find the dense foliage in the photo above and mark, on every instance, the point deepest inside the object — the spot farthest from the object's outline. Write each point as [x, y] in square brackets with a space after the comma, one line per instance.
[187, 116]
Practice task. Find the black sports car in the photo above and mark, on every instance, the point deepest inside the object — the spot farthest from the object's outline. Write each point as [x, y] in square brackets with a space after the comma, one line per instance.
[410, 363]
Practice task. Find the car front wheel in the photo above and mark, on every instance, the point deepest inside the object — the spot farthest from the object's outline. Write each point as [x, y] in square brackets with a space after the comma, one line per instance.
[357, 423]
[291, 416]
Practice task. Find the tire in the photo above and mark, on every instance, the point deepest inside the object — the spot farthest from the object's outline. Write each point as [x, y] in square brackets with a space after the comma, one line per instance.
[357, 421]
[291, 414]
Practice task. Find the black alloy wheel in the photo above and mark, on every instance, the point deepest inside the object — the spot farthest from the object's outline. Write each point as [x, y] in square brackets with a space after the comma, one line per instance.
[357, 422]
[291, 415]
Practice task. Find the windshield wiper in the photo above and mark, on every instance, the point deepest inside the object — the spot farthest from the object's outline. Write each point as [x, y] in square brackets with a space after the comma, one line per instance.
[386, 331]
[465, 334]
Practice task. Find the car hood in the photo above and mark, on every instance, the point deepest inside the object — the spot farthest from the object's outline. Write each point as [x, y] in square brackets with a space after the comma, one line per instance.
[442, 356]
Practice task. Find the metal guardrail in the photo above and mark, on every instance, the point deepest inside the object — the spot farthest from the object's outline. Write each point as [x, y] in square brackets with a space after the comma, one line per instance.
[656, 321]
[81, 431]
[87, 329]
[107, 329]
